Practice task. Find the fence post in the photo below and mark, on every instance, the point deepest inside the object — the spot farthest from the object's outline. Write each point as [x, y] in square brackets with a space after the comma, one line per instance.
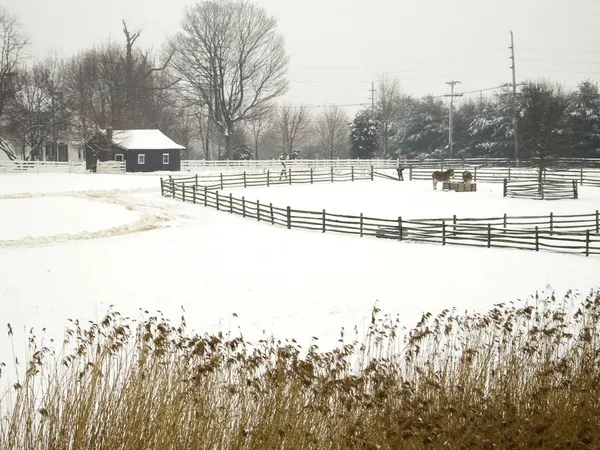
[361, 224]
[323, 221]
[258, 210]
[537, 239]
[268, 171]
[173, 187]
[243, 206]
[217, 192]
[410, 172]
[475, 175]
[505, 191]
[221, 181]
[454, 224]
[311, 175]
[196, 179]
[597, 222]
[162, 187]
[575, 192]
[352, 172]
[332, 174]
[443, 232]
[400, 228]
[509, 172]
[194, 194]
[289, 218]
[504, 223]
[244, 178]
[489, 235]
[551, 222]
[183, 192]
[587, 242]
[290, 175]
[581, 176]
[371, 172]
[205, 196]
[271, 211]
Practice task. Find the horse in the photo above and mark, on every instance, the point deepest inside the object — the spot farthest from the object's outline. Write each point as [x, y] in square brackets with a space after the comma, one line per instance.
[441, 176]
[467, 177]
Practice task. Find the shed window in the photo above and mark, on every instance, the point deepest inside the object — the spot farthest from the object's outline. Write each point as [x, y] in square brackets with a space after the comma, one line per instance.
[119, 157]
[165, 158]
[141, 158]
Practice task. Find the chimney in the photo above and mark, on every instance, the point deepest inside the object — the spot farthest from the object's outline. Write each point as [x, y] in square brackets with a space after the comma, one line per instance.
[109, 135]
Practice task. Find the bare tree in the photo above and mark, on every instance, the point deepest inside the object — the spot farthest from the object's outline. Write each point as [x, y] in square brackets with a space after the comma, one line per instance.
[332, 128]
[230, 53]
[291, 125]
[387, 111]
[13, 44]
[258, 123]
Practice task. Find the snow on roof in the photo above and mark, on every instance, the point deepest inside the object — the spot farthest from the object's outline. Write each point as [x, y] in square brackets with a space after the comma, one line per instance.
[143, 140]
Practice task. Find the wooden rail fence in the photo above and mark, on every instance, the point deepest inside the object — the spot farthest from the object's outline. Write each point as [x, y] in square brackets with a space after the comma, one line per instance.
[547, 190]
[578, 234]
[583, 176]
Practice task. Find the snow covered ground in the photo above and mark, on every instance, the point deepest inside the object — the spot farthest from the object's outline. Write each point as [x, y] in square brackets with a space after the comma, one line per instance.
[162, 254]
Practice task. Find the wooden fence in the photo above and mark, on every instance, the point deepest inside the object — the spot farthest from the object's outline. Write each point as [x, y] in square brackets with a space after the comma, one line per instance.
[583, 176]
[110, 167]
[202, 165]
[547, 190]
[41, 167]
[562, 233]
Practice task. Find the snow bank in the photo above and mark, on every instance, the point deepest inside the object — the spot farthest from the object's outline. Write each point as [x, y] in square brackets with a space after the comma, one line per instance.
[48, 216]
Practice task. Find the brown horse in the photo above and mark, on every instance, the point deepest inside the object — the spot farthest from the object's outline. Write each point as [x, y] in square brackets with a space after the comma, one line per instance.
[441, 176]
[467, 176]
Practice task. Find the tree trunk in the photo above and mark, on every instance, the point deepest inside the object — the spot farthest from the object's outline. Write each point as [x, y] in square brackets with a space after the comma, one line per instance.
[229, 141]
[229, 146]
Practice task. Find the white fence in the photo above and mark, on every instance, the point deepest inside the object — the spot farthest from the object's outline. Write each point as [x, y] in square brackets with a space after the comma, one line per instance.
[110, 167]
[265, 164]
[41, 167]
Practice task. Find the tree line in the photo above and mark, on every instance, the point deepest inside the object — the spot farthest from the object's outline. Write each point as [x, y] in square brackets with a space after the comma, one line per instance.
[550, 123]
[215, 88]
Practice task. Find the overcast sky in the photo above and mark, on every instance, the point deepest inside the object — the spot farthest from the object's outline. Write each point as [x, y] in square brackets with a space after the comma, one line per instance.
[338, 47]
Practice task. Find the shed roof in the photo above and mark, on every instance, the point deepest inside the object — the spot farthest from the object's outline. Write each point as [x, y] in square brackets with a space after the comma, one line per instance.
[142, 140]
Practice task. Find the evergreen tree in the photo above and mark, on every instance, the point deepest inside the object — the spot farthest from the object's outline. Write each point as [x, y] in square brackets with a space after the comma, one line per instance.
[583, 115]
[363, 135]
[426, 128]
[491, 131]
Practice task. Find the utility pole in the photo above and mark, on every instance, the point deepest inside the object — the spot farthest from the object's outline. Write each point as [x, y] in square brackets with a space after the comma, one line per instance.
[373, 97]
[514, 88]
[451, 122]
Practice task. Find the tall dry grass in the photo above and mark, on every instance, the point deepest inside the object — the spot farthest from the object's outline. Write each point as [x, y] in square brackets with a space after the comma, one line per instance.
[523, 375]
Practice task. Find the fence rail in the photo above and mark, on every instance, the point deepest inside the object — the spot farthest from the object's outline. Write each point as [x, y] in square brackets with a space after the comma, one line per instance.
[41, 167]
[110, 167]
[470, 163]
[583, 176]
[546, 190]
[562, 233]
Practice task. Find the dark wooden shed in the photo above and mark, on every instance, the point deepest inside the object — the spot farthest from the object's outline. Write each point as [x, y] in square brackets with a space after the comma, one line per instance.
[141, 150]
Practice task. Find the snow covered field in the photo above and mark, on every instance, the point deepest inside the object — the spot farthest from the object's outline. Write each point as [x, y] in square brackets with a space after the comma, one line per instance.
[118, 242]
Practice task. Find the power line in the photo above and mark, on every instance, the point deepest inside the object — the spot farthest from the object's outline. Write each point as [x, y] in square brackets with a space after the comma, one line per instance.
[404, 71]
[401, 78]
[560, 51]
[560, 62]
[404, 62]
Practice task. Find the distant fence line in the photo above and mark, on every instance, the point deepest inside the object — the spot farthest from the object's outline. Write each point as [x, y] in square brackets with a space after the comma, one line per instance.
[467, 163]
[578, 233]
[418, 167]
[41, 167]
